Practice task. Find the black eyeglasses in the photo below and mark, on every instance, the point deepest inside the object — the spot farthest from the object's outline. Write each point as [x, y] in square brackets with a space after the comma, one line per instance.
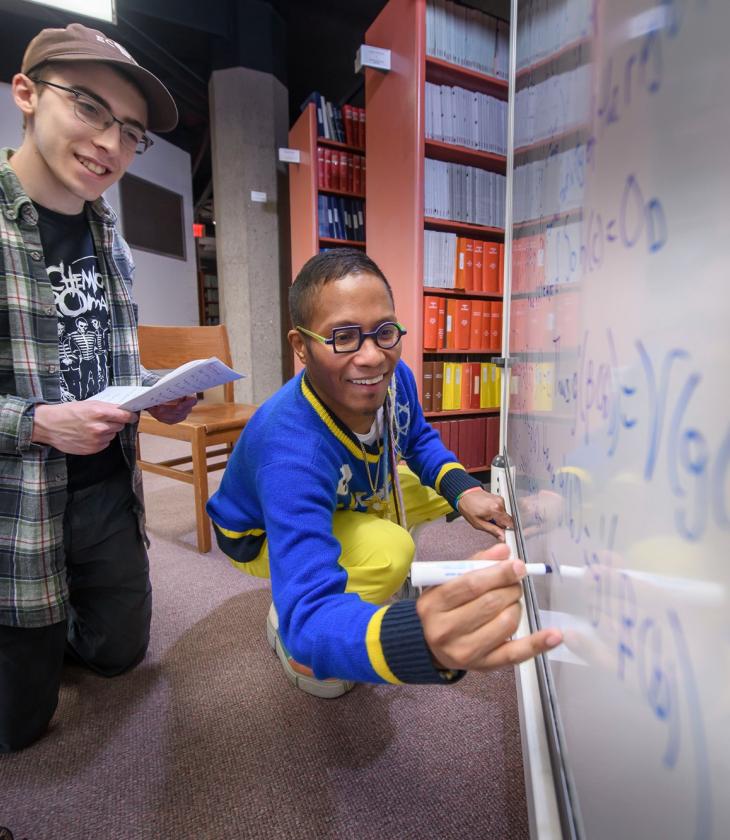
[98, 116]
[350, 339]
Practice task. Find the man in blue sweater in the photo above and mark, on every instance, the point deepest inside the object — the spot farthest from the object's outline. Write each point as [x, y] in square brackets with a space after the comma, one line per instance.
[316, 497]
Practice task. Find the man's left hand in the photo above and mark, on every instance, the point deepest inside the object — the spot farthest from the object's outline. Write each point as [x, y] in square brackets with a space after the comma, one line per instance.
[486, 512]
[173, 411]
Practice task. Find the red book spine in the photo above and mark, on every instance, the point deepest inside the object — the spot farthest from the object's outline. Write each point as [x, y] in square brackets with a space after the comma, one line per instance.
[496, 324]
[477, 310]
[475, 377]
[438, 385]
[430, 322]
[320, 168]
[469, 265]
[490, 279]
[478, 265]
[452, 314]
[466, 385]
[492, 438]
[500, 288]
[328, 169]
[463, 325]
[460, 262]
[441, 340]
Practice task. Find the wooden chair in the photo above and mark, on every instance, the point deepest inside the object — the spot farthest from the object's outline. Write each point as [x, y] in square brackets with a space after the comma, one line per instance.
[208, 424]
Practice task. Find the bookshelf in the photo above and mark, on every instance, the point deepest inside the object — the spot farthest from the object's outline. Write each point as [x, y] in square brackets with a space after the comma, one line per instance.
[305, 190]
[398, 150]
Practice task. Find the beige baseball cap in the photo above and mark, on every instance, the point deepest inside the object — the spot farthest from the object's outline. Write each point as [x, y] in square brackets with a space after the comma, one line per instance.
[79, 43]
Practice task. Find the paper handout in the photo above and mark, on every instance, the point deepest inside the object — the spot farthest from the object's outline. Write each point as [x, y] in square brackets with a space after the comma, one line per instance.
[198, 375]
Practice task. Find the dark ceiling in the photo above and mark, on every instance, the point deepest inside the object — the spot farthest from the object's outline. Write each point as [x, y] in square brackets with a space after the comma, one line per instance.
[308, 44]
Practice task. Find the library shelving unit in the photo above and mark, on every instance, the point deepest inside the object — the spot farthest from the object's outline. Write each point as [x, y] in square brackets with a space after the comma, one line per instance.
[304, 190]
[397, 149]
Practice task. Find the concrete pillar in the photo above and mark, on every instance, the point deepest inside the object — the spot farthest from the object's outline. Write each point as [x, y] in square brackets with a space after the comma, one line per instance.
[249, 115]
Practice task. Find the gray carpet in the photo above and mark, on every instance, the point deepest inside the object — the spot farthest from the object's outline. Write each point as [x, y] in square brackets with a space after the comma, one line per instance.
[207, 739]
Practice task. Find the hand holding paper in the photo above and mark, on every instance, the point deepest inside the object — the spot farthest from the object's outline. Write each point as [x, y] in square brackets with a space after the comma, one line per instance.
[198, 375]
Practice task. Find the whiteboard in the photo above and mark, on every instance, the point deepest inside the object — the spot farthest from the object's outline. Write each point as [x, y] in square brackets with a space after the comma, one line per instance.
[618, 423]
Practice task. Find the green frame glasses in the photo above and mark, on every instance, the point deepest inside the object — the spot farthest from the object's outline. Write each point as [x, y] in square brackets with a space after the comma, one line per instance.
[349, 339]
[97, 115]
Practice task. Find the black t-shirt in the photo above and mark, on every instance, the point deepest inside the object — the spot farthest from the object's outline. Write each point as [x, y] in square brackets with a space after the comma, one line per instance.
[83, 329]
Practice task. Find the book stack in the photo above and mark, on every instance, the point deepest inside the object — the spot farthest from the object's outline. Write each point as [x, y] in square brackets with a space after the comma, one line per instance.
[460, 386]
[459, 262]
[337, 170]
[468, 37]
[456, 323]
[474, 440]
[466, 118]
[341, 218]
[341, 125]
[464, 194]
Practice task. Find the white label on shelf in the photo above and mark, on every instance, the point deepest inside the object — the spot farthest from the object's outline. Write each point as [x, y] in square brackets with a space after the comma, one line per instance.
[375, 57]
[258, 197]
[289, 155]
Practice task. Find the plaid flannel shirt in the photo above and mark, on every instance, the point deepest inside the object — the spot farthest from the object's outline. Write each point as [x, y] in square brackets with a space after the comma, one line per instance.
[33, 588]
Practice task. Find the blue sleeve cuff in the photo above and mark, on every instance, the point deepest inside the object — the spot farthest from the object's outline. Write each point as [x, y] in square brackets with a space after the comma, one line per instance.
[454, 482]
[405, 649]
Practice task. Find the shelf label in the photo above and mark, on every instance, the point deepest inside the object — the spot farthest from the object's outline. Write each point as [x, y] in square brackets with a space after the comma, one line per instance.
[375, 57]
[289, 156]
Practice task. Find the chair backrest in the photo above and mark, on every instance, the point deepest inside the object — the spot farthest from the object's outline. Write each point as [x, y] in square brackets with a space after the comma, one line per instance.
[165, 348]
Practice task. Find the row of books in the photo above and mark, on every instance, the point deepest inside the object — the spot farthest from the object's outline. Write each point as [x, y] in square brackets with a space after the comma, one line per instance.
[459, 262]
[453, 386]
[344, 125]
[468, 37]
[547, 28]
[340, 170]
[341, 218]
[553, 106]
[461, 324]
[466, 118]
[474, 440]
[464, 194]
[544, 188]
[537, 322]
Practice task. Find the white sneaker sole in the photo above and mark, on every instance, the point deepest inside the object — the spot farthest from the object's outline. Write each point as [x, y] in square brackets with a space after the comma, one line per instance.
[325, 689]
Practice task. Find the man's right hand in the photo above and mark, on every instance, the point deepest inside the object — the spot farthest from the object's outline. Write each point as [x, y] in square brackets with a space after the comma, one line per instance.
[468, 622]
[79, 428]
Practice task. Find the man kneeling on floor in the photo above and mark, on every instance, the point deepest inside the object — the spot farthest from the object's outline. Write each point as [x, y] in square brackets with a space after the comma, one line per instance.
[315, 497]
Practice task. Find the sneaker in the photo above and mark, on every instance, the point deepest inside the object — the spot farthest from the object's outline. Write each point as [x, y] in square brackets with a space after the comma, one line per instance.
[299, 675]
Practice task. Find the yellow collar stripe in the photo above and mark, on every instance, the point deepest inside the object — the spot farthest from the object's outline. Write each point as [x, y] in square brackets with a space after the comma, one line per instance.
[324, 416]
[375, 649]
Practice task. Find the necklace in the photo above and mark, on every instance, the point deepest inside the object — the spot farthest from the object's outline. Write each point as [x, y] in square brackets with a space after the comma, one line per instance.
[373, 484]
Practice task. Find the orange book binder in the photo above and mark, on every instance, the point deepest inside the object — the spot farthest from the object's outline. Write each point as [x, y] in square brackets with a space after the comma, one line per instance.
[469, 265]
[478, 265]
[477, 311]
[460, 262]
[490, 273]
[430, 322]
[466, 385]
[441, 340]
[500, 269]
[452, 312]
[495, 321]
[462, 333]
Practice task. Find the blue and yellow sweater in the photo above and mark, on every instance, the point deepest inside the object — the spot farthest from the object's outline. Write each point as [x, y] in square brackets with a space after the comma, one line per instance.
[294, 465]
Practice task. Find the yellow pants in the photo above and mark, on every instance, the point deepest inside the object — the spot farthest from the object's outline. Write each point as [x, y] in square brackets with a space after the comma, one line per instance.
[376, 553]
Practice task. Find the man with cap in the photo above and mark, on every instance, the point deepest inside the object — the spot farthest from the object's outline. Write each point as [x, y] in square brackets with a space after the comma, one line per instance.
[74, 575]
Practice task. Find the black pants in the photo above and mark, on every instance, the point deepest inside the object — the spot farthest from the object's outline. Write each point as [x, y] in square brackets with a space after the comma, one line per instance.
[108, 624]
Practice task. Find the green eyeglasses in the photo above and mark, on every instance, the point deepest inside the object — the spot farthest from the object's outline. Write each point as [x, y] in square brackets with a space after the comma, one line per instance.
[350, 339]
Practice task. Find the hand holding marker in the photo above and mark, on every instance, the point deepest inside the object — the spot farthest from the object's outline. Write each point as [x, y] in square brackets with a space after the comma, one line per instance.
[433, 573]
